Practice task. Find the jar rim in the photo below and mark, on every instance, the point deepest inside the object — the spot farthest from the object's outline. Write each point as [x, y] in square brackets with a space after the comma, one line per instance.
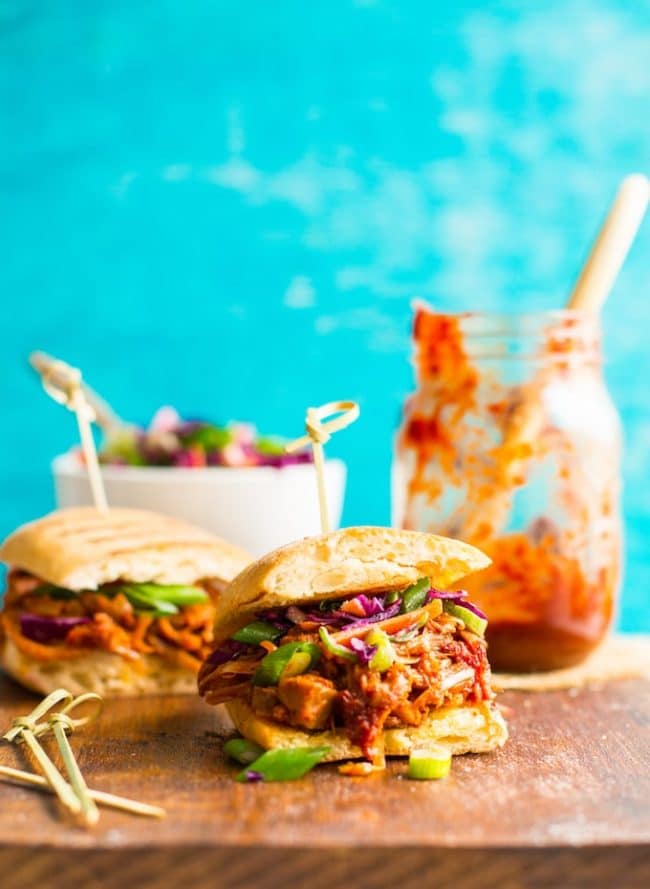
[555, 335]
[561, 314]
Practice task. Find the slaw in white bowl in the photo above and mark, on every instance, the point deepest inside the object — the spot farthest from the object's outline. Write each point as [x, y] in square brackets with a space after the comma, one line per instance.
[256, 507]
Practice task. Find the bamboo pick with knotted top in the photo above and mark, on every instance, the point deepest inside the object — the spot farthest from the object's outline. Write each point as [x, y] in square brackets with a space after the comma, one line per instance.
[589, 293]
[75, 796]
[319, 432]
[64, 384]
[27, 729]
[106, 417]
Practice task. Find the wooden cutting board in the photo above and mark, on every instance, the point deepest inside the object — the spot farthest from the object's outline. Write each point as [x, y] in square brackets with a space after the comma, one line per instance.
[565, 803]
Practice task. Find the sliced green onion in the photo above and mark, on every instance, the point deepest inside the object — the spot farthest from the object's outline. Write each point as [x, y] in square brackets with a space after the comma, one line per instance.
[271, 668]
[55, 592]
[472, 621]
[333, 648]
[429, 764]
[210, 438]
[158, 599]
[384, 657]
[124, 447]
[283, 765]
[327, 605]
[144, 602]
[270, 446]
[258, 631]
[176, 595]
[415, 596]
[242, 750]
[299, 662]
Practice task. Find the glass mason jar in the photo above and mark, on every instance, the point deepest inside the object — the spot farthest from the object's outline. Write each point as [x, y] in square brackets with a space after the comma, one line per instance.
[511, 442]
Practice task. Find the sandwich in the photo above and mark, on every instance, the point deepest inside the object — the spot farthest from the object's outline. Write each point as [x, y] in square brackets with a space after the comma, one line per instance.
[119, 602]
[354, 642]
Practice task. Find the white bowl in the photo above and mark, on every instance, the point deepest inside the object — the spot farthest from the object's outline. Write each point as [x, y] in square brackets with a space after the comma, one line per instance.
[257, 507]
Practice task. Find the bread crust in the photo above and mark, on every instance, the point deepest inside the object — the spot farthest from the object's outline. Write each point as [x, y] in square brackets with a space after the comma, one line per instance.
[477, 728]
[349, 561]
[82, 548]
[109, 675]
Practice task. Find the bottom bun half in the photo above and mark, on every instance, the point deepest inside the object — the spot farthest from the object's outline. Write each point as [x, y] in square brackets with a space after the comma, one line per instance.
[469, 729]
[109, 675]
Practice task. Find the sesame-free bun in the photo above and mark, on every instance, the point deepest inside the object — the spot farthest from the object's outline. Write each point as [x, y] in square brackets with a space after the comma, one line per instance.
[476, 728]
[109, 675]
[341, 563]
[83, 548]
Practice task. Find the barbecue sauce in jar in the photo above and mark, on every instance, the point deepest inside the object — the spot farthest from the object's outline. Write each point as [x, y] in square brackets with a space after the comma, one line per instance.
[512, 443]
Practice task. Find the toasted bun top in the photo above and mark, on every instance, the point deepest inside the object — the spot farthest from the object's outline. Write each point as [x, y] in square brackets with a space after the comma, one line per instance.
[82, 548]
[345, 562]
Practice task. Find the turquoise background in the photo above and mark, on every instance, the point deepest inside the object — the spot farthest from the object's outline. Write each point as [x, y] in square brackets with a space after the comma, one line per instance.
[228, 206]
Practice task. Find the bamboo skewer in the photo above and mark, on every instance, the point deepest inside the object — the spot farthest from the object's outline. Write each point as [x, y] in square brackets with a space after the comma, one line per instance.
[27, 729]
[89, 810]
[319, 432]
[590, 291]
[75, 796]
[63, 383]
[54, 778]
[319, 464]
[98, 796]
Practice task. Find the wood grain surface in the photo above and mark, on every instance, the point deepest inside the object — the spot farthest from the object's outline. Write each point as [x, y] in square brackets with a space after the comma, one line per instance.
[566, 802]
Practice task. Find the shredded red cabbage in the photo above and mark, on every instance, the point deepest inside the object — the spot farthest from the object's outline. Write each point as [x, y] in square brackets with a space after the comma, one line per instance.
[270, 614]
[352, 621]
[48, 629]
[371, 605]
[324, 618]
[253, 777]
[374, 609]
[257, 458]
[363, 651]
[474, 609]
[295, 615]
[188, 427]
[279, 460]
[276, 617]
[459, 597]
[185, 458]
[446, 594]
[171, 441]
[229, 650]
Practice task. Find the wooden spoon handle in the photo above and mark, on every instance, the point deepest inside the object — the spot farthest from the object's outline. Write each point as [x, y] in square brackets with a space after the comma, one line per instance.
[611, 245]
[590, 292]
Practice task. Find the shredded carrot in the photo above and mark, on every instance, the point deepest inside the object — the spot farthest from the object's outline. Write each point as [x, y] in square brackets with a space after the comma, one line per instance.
[176, 656]
[114, 626]
[352, 606]
[138, 640]
[183, 638]
[34, 649]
